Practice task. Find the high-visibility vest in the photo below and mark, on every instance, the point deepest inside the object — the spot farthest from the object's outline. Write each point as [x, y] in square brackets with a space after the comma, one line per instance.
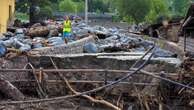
[67, 26]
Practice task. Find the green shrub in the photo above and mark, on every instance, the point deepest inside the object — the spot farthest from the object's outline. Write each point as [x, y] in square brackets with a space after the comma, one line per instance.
[22, 16]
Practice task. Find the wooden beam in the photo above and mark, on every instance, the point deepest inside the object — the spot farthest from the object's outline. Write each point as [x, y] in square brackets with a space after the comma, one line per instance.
[64, 70]
[74, 70]
[85, 81]
[83, 71]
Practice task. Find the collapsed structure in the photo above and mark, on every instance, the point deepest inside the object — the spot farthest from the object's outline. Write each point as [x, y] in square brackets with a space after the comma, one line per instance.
[102, 68]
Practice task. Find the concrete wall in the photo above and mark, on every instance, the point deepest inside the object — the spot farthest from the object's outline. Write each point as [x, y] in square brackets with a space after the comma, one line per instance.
[4, 17]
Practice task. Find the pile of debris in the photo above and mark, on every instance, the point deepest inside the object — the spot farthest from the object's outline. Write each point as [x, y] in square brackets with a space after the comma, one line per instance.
[109, 78]
[49, 80]
[22, 40]
[118, 40]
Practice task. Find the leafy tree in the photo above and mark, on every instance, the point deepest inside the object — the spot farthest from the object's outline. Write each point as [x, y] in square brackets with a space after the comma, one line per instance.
[80, 6]
[159, 9]
[46, 12]
[179, 7]
[71, 5]
[98, 5]
[129, 10]
[67, 6]
[136, 10]
[22, 5]
[46, 7]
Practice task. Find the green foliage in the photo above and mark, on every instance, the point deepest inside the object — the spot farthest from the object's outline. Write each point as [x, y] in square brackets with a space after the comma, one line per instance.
[21, 16]
[151, 16]
[46, 8]
[159, 8]
[116, 18]
[46, 11]
[128, 19]
[67, 6]
[127, 10]
[98, 5]
[179, 7]
[80, 6]
[71, 6]
[136, 10]
[22, 6]
[142, 10]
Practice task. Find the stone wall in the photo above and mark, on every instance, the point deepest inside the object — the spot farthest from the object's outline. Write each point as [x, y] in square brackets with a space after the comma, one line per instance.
[70, 48]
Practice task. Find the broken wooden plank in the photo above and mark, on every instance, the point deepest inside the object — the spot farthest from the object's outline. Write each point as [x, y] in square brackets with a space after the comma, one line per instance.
[63, 71]
[84, 81]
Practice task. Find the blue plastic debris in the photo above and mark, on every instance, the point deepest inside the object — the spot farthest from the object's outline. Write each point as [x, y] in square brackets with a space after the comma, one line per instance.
[25, 48]
[90, 48]
[37, 45]
[3, 50]
[162, 53]
[55, 41]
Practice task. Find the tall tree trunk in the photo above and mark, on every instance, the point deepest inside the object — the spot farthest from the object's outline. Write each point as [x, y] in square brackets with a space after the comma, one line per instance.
[9, 90]
[34, 15]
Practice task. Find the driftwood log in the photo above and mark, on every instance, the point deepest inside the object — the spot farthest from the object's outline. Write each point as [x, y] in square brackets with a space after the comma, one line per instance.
[9, 90]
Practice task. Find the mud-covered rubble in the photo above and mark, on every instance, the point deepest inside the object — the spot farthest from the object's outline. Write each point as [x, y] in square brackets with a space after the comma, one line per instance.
[102, 62]
[35, 36]
[130, 43]
[55, 87]
[146, 86]
[118, 43]
[115, 40]
[41, 35]
[48, 35]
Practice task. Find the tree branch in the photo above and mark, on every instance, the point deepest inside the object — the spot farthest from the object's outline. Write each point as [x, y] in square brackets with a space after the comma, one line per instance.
[85, 96]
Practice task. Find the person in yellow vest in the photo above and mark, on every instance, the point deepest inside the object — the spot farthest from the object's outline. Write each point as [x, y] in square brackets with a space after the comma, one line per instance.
[66, 28]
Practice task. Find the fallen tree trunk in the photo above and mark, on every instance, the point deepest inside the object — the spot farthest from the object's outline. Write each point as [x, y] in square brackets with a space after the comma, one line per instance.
[9, 90]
